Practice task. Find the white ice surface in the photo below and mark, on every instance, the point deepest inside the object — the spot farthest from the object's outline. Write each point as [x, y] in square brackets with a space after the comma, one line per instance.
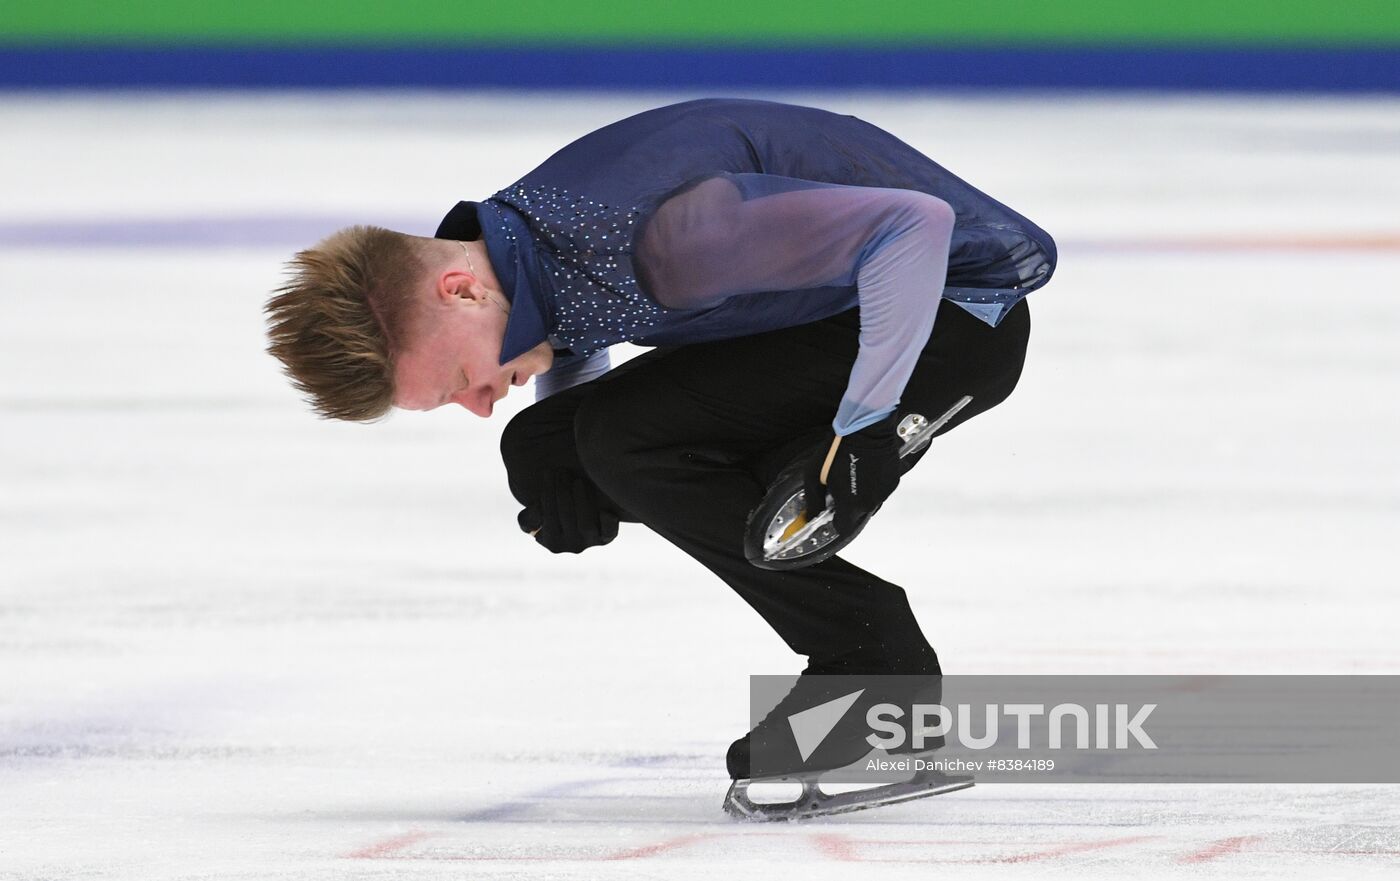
[237, 642]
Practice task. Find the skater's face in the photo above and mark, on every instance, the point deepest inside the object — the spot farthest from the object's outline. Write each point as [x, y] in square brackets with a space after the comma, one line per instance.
[453, 356]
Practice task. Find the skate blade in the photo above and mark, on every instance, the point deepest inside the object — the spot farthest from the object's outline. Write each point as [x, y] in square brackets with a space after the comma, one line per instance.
[791, 535]
[813, 802]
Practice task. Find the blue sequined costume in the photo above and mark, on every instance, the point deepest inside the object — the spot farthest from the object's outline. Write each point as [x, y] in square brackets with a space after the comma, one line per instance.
[721, 218]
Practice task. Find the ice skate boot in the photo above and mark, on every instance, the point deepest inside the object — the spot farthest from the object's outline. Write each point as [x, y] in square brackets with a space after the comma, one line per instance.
[810, 756]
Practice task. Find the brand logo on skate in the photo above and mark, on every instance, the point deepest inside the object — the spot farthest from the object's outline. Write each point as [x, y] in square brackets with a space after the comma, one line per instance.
[854, 460]
[811, 726]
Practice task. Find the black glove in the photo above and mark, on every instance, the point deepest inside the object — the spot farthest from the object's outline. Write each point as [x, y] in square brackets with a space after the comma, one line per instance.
[570, 514]
[864, 469]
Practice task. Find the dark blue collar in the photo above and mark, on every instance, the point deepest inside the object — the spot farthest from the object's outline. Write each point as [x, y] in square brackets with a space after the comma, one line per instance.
[508, 244]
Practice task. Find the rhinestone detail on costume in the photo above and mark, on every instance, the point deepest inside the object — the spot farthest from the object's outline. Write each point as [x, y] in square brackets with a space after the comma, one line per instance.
[598, 301]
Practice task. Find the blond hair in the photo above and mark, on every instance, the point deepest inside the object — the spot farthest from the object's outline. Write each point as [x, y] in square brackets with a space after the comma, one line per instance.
[341, 318]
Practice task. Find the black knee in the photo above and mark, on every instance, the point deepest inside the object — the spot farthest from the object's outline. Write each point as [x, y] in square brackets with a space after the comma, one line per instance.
[601, 440]
[1014, 336]
[537, 441]
[1001, 387]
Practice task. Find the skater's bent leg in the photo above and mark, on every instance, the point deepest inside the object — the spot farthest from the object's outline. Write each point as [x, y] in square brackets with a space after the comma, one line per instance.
[540, 439]
[688, 444]
[967, 356]
[656, 453]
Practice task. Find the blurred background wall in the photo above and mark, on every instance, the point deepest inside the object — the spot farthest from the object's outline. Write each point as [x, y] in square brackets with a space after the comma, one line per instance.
[1239, 45]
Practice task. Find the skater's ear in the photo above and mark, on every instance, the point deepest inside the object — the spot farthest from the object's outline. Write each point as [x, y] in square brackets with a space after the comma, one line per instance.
[447, 283]
[459, 284]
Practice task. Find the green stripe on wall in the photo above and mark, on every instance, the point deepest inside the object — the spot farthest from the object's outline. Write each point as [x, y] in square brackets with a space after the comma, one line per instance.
[770, 22]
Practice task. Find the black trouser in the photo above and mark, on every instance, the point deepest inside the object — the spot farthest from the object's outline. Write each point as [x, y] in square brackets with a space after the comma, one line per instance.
[687, 439]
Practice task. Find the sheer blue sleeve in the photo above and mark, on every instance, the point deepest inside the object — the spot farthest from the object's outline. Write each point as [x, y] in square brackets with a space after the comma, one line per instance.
[752, 233]
[571, 373]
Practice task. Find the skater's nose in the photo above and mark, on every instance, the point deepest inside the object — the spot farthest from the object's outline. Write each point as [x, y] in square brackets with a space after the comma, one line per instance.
[479, 401]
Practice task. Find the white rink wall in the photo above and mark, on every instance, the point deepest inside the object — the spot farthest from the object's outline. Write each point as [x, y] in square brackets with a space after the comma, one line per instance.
[237, 642]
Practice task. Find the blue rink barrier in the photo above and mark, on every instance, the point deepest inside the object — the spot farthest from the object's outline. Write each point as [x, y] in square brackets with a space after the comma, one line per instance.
[1273, 69]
